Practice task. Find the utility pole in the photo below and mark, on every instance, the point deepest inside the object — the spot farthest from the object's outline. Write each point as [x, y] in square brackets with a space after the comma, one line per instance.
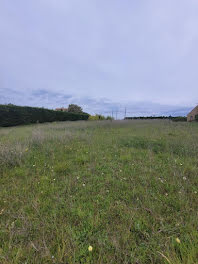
[116, 114]
[125, 113]
[112, 114]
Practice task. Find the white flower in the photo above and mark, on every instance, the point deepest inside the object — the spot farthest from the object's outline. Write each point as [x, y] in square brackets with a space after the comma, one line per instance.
[184, 178]
[83, 184]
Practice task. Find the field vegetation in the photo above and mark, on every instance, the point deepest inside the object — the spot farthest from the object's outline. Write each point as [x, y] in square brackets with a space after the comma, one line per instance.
[99, 192]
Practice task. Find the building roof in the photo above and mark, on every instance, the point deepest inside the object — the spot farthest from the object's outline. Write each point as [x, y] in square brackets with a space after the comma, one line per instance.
[61, 109]
[194, 111]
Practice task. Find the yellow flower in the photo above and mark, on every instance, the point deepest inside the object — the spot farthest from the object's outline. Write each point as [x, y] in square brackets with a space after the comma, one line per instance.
[26, 149]
[178, 240]
[90, 248]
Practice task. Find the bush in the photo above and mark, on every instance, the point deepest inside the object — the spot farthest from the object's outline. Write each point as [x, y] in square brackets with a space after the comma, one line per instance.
[93, 118]
[109, 118]
[179, 119]
[99, 117]
[12, 115]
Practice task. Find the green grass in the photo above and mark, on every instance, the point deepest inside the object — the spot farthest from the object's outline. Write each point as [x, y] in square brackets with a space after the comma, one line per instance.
[129, 189]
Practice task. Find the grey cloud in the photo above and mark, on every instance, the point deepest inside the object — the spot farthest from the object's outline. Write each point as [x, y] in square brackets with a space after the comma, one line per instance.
[123, 51]
[103, 106]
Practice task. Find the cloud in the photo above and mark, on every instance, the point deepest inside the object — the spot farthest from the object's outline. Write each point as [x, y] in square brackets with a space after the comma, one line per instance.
[104, 106]
[124, 51]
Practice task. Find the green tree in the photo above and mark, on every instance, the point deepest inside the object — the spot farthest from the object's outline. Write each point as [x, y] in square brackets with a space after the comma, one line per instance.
[74, 108]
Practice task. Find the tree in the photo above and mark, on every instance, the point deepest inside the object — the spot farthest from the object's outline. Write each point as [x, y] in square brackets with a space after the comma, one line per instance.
[74, 108]
[109, 118]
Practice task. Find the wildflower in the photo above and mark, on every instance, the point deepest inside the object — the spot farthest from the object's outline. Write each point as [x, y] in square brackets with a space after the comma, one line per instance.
[54, 179]
[77, 178]
[181, 164]
[26, 149]
[166, 194]
[90, 248]
[184, 178]
[195, 192]
[178, 240]
[33, 165]
[1, 212]
[83, 184]
[52, 257]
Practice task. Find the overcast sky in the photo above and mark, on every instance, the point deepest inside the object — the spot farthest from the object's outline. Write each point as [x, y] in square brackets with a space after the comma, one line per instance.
[102, 54]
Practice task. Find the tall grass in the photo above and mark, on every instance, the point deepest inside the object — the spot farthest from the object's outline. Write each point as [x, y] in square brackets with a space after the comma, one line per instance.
[128, 189]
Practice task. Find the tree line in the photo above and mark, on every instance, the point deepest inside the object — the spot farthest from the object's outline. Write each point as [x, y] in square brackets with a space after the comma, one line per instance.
[173, 118]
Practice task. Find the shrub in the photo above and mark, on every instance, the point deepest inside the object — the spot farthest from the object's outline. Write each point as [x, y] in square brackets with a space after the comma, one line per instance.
[93, 118]
[99, 117]
[179, 119]
[109, 118]
[12, 115]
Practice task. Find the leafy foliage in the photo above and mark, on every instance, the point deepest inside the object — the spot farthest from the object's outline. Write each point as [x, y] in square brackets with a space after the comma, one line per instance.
[73, 108]
[99, 117]
[12, 115]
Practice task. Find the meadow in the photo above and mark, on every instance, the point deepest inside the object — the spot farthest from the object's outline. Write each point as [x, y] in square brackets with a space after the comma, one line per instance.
[121, 192]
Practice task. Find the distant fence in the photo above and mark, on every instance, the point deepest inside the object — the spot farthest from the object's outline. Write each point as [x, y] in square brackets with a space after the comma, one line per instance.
[12, 115]
[173, 118]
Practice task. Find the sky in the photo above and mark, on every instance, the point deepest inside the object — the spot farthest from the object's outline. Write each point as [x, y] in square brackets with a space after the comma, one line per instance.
[104, 55]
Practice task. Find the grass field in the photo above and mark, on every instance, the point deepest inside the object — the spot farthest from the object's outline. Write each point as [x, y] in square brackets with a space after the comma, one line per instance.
[99, 192]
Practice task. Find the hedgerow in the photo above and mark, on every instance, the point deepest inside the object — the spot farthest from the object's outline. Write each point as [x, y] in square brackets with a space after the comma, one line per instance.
[12, 115]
